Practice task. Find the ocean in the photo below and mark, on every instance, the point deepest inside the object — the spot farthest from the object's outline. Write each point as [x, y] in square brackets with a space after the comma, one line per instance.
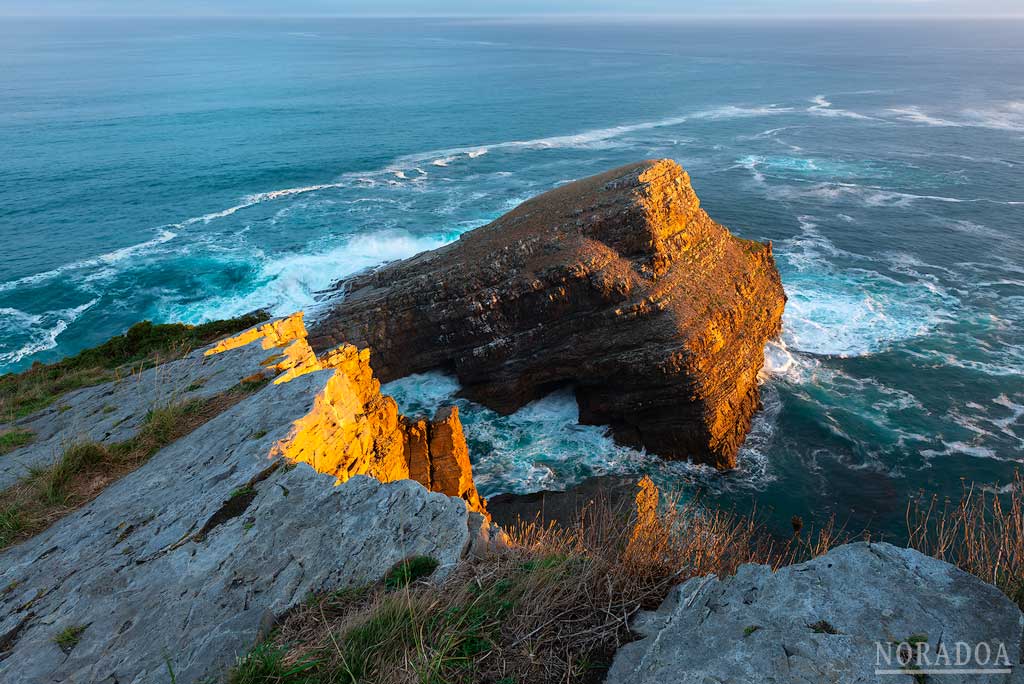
[187, 170]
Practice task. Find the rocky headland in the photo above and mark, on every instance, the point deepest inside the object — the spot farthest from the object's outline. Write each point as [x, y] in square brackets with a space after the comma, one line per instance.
[619, 285]
[297, 488]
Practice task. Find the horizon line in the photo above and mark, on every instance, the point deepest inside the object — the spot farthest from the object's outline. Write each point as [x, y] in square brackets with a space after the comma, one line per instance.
[542, 16]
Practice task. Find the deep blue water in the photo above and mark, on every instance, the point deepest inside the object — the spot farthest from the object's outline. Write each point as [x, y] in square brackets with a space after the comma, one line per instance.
[188, 170]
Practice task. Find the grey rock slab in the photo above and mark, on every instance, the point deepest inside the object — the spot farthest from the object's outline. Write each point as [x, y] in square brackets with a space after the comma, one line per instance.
[179, 565]
[765, 627]
[114, 411]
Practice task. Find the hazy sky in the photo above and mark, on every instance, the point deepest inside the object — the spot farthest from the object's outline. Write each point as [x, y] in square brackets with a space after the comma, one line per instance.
[759, 8]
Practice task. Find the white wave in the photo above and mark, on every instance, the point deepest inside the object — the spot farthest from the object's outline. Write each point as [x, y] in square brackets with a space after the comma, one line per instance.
[444, 161]
[778, 360]
[589, 138]
[822, 107]
[113, 257]
[542, 446]
[852, 311]
[734, 112]
[42, 330]
[751, 162]
[1005, 116]
[956, 448]
[915, 115]
[871, 195]
[288, 283]
[253, 200]
[400, 174]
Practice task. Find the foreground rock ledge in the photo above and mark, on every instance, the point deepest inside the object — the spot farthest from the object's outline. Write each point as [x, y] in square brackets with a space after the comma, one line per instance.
[183, 563]
[837, 618]
[618, 284]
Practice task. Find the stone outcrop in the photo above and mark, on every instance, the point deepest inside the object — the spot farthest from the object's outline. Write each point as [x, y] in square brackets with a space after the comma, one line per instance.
[352, 428]
[182, 564]
[114, 412]
[619, 285]
[838, 618]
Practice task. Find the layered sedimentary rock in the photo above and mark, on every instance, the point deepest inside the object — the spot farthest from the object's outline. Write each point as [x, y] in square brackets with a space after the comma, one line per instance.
[619, 285]
[352, 428]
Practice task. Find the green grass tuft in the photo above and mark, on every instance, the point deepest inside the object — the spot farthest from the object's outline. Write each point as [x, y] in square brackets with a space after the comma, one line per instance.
[69, 637]
[12, 522]
[408, 571]
[265, 664]
[14, 439]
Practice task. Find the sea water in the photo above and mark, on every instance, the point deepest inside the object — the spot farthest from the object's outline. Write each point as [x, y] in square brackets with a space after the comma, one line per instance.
[186, 170]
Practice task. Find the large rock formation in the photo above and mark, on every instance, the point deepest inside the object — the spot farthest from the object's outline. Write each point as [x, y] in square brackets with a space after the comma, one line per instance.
[619, 284]
[182, 564]
[355, 430]
[861, 613]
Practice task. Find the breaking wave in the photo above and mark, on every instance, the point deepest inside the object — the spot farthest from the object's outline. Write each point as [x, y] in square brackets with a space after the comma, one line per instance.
[41, 329]
[852, 311]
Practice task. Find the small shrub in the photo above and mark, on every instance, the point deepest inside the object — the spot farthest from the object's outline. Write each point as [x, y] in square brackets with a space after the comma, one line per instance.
[52, 483]
[552, 607]
[12, 524]
[982, 533]
[85, 468]
[69, 637]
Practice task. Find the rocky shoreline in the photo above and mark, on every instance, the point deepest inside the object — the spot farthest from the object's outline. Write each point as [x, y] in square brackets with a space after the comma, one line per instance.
[310, 483]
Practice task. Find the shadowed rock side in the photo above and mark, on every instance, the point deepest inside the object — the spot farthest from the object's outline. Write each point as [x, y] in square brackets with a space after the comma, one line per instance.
[618, 284]
[352, 428]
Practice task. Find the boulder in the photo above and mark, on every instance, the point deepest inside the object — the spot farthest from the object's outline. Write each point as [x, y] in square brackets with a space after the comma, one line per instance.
[858, 609]
[619, 285]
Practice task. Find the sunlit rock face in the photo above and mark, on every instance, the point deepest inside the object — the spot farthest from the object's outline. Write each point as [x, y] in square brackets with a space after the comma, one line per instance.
[619, 285]
[352, 428]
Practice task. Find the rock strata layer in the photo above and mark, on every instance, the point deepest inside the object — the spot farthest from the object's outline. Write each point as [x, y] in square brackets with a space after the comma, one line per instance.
[838, 618]
[619, 285]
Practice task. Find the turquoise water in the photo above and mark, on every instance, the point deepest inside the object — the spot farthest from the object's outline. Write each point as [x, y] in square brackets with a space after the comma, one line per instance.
[187, 170]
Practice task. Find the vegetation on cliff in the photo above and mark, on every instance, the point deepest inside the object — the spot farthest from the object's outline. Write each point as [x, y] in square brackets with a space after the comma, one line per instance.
[86, 468]
[143, 345]
[556, 603]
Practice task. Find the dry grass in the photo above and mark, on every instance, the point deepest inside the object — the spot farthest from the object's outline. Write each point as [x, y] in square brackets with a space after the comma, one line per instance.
[144, 345]
[85, 469]
[552, 607]
[982, 533]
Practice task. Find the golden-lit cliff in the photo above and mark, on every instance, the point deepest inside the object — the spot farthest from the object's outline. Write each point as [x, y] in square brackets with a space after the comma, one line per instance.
[618, 285]
[352, 428]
